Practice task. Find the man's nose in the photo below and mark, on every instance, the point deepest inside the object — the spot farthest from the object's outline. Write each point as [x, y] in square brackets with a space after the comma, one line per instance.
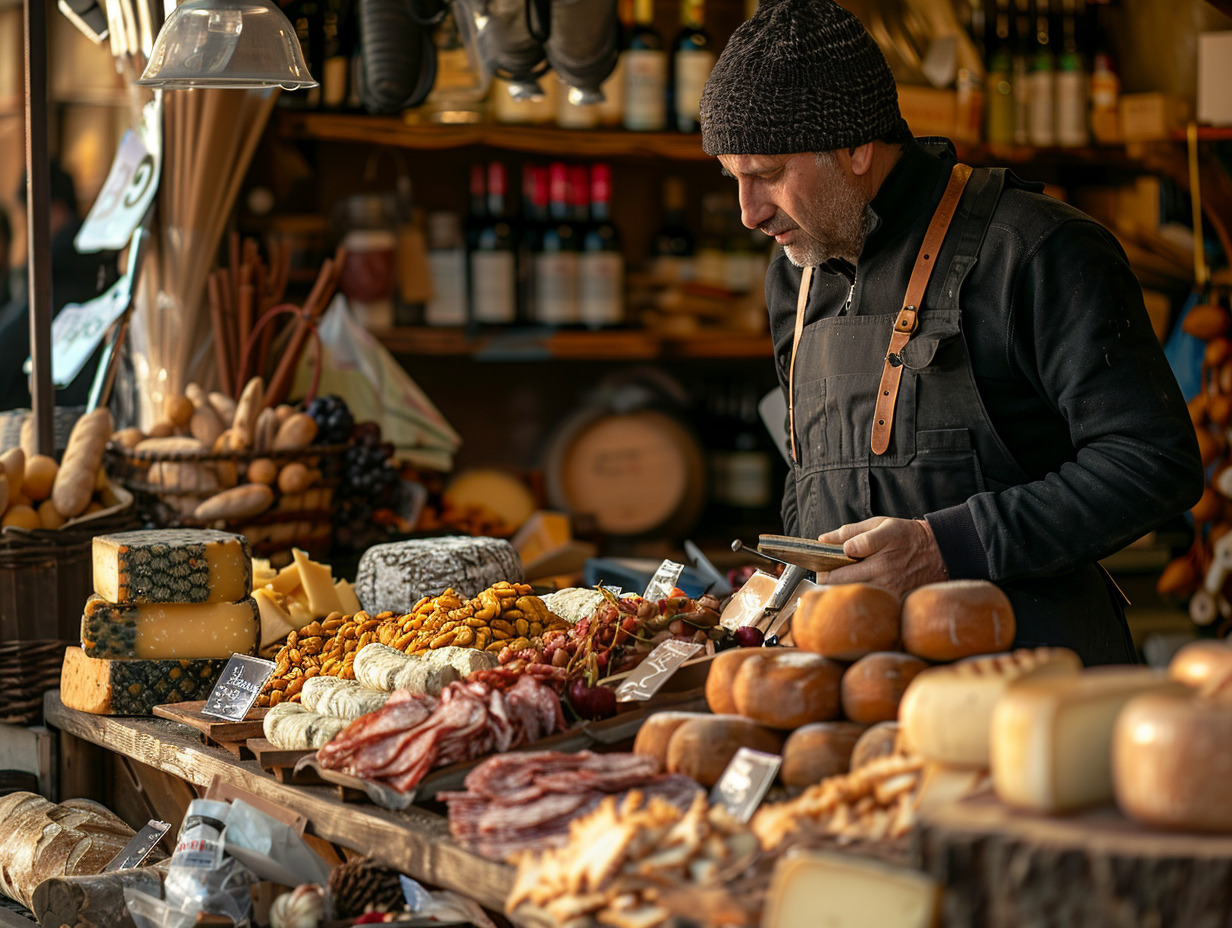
[755, 210]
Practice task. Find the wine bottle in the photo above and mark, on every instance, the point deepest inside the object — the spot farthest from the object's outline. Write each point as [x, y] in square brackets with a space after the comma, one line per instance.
[692, 59]
[305, 17]
[494, 258]
[612, 109]
[999, 96]
[601, 265]
[1071, 82]
[1105, 82]
[645, 73]
[556, 263]
[673, 242]
[534, 222]
[336, 54]
[447, 265]
[1024, 46]
[1042, 122]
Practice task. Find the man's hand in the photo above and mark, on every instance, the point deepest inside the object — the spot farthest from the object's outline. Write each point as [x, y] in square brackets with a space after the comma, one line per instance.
[897, 554]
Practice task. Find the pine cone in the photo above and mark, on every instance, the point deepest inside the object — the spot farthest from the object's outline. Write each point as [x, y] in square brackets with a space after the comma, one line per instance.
[364, 886]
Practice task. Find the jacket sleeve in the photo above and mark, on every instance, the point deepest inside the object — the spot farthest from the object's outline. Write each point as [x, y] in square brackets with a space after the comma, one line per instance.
[1078, 330]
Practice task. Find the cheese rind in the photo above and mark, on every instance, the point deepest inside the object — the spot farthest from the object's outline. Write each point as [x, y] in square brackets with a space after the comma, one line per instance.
[127, 687]
[169, 631]
[172, 566]
[1051, 747]
[396, 575]
[816, 889]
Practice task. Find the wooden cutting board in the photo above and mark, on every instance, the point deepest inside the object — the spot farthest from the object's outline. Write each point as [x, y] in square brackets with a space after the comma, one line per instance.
[811, 555]
[216, 732]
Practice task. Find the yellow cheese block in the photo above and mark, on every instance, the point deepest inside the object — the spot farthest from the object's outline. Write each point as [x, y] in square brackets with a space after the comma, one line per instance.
[811, 890]
[946, 712]
[172, 566]
[1051, 747]
[165, 631]
[318, 583]
[107, 687]
[276, 622]
[347, 598]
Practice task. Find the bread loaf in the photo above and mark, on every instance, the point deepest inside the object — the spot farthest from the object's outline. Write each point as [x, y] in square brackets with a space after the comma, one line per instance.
[817, 751]
[1202, 663]
[701, 748]
[40, 840]
[873, 686]
[656, 733]
[785, 688]
[721, 679]
[1172, 761]
[956, 619]
[846, 622]
[882, 740]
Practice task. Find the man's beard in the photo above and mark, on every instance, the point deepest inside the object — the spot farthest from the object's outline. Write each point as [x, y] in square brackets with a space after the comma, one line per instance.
[840, 219]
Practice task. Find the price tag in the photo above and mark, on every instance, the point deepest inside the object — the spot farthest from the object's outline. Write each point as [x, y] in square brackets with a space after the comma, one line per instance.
[125, 198]
[648, 677]
[238, 688]
[139, 846]
[78, 328]
[744, 782]
[663, 582]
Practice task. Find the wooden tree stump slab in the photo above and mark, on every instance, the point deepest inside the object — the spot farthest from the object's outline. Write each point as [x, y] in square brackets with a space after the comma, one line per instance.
[1012, 869]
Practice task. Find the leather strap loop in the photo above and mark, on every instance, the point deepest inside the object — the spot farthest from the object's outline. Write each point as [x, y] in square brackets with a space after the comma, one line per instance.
[908, 317]
[806, 279]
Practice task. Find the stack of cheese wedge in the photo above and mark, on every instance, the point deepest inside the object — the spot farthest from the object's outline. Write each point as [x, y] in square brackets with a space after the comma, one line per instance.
[170, 607]
[293, 597]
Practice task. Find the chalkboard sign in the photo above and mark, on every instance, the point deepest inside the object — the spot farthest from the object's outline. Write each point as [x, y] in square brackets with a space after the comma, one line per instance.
[656, 668]
[238, 688]
[744, 782]
[139, 846]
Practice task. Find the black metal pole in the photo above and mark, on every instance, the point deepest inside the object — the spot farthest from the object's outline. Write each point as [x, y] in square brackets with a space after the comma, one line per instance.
[38, 225]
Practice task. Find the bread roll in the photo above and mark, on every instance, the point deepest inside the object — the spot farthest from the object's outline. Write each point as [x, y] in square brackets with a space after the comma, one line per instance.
[656, 733]
[1202, 663]
[956, 619]
[787, 688]
[701, 748]
[846, 622]
[873, 686]
[817, 751]
[721, 679]
[879, 741]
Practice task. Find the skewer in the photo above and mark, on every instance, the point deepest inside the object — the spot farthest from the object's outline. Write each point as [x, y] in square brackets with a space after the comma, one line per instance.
[738, 545]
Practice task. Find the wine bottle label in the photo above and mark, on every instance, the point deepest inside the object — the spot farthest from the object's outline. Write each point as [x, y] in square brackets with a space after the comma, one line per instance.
[1041, 115]
[492, 277]
[556, 288]
[1071, 108]
[692, 69]
[448, 303]
[645, 90]
[601, 288]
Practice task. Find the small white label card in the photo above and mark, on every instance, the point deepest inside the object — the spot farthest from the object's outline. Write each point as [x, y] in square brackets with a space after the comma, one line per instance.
[79, 327]
[130, 188]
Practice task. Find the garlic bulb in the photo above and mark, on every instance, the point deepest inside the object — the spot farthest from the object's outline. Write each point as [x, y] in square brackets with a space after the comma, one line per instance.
[303, 907]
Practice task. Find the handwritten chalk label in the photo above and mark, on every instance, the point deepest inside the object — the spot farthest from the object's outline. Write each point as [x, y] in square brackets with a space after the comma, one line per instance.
[648, 677]
[238, 688]
[744, 782]
[79, 327]
[139, 846]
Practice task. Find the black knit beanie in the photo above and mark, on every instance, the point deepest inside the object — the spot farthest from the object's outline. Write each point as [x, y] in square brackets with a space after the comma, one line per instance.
[801, 75]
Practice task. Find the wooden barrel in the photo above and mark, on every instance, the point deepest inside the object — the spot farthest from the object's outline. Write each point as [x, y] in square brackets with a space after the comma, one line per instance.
[636, 473]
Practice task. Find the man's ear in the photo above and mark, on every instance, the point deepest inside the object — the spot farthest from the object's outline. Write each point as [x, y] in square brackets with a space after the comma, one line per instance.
[861, 157]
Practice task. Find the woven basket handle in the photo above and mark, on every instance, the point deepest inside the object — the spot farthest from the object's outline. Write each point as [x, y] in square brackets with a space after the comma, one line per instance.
[268, 316]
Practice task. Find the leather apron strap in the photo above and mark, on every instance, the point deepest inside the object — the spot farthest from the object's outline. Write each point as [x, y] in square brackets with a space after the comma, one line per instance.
[806, 278]
[908, 316]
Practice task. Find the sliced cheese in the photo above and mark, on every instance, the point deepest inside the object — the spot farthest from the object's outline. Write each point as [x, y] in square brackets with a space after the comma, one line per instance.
[128, 687]
[318, 584]
[276, 623]
[287, 580]
[347, 598]
[1051, 745]
[815, 889]
[172, 566]
[262, 572]
[165, 631]
[946, 712]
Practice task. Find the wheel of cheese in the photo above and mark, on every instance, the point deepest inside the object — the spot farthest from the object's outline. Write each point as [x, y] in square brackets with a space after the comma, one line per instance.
[1202, 663]
[721, 679]
[846, 622]
[955, 619]
[1172, 761]
[879, 741]
[787, 689]
[817, 751]
[701, 748]
[656, 733]
[873, 686]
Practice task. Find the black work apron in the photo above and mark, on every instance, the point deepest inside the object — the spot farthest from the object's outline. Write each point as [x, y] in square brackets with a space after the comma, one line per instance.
[943, 447]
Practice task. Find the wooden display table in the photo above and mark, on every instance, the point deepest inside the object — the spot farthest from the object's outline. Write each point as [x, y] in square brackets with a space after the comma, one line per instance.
[1004, 868]
[415, 842]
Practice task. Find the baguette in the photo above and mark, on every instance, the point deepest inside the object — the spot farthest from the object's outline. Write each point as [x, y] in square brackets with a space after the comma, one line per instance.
[242, 502]
[252, 399]
[74, 483]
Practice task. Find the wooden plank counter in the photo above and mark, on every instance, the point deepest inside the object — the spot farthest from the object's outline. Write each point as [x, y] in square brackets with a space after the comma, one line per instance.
[414, 841]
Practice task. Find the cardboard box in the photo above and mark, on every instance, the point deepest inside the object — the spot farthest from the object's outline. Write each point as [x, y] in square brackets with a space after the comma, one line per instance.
[928, 110]
[1150, 117]
[1215, 78]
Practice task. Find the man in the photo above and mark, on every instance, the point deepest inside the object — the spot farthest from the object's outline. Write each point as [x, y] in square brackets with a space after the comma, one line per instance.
[1012, 418]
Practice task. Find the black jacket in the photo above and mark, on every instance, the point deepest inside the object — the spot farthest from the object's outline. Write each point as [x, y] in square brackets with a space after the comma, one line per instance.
[1065, 361]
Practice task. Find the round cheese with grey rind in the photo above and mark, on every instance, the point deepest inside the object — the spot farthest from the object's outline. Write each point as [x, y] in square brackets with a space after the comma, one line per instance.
[291, 727]
[394, 576]
[346, 699]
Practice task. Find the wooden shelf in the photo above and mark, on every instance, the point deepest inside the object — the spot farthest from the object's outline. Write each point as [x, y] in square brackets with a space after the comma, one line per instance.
[541, 344]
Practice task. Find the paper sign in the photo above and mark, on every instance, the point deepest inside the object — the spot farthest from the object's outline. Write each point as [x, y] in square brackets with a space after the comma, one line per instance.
[238, 688]
[78, 328]
[744, 782]
[663, 582]
[657, 668]
[747, 603]
[139, 846]
[124, 200]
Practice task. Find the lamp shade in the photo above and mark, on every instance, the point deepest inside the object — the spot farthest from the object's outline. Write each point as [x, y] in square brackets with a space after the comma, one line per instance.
[227, 43]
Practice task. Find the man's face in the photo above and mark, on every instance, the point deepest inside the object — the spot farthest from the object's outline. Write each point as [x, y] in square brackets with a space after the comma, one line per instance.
[811, 204]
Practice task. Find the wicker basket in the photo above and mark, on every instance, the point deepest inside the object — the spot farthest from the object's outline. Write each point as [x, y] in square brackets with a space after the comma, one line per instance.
[167, 487]
[45, 579]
